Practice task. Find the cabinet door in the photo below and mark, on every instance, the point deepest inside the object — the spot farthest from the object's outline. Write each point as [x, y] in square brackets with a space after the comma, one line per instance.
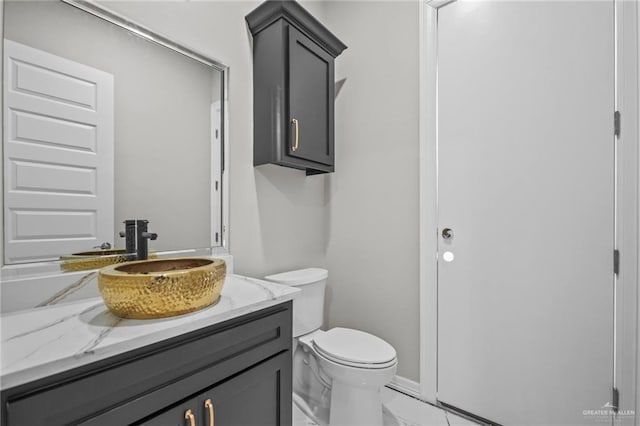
[311, 100]
[259, 396]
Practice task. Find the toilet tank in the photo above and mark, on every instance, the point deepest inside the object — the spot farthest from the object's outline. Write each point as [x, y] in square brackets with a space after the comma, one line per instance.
[308, 305]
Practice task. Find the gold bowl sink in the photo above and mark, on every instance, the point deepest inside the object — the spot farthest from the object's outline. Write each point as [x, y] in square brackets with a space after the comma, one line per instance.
[162, 287]
[94, 259]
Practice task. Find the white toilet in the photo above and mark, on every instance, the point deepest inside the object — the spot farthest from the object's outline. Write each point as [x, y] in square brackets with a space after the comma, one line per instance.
[338, 373]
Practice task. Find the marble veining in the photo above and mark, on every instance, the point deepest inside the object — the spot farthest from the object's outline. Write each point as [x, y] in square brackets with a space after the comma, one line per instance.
[88, 348]
[272, 290]
[26, 293]
[60, 296]
[47, 325]
[51, 339]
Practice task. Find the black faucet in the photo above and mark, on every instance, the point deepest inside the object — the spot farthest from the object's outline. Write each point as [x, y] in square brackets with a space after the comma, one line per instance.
[136, 234]
[130, 238]
[143, 247]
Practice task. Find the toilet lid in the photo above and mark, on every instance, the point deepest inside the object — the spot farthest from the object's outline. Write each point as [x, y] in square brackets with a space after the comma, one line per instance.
[354, 347]
[299, 277]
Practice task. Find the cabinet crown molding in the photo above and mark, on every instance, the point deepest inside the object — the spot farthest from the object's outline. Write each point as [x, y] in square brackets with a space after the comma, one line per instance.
[272, 10]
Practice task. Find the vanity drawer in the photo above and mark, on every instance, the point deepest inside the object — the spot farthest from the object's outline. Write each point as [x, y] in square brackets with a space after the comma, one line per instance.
[260, 395]
[113, 391]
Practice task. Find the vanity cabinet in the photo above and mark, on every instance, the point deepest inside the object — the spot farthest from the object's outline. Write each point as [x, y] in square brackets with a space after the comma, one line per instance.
[250, 398]
[293, 81]
[240, 368]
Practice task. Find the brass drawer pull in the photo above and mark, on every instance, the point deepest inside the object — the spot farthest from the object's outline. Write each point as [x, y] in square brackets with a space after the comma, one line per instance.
[294, 148]
[209, 406]
[188, 415]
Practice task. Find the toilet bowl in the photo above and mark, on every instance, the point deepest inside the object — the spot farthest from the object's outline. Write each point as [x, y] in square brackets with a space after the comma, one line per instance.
[338, 373]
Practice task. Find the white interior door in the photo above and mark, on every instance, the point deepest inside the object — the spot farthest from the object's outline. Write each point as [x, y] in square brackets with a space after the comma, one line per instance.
[526, 184]
[58, 155]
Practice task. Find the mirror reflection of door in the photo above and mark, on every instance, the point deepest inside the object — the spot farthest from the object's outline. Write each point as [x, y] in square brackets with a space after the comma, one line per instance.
[216, 173]
[58, 155]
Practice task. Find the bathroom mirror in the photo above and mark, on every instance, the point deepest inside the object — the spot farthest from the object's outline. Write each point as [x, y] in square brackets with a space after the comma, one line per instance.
[106, 120]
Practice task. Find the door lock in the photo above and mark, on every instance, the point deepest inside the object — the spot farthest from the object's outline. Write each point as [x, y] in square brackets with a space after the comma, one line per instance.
[447, 234]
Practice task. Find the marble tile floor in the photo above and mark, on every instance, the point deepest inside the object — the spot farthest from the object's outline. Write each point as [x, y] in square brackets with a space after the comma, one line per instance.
[400, 410]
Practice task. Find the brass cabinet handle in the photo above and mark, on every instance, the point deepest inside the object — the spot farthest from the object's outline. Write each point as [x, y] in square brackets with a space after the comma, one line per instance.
[209, 406]
[188, 415]
[294, 148]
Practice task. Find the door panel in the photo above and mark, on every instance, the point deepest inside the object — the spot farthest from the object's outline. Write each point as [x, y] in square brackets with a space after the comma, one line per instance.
[58, 149]
[525, 180]
[311, 99]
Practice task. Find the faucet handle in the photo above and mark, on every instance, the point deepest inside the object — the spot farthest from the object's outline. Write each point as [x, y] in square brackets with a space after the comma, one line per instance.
[150, 235]
[104, 246]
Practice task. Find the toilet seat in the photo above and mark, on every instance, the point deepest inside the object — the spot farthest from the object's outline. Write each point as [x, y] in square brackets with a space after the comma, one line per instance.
[354, 348]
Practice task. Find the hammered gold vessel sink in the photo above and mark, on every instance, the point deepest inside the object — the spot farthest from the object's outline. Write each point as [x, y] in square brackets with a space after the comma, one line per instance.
[94, 259]
[162, 287]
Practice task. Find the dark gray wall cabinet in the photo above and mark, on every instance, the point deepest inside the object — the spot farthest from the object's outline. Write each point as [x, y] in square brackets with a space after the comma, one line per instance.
[238, 370]
[293, 83]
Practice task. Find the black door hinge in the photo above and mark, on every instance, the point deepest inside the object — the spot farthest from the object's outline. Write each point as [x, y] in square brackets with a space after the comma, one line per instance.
[217, 237]
[615, 399]
[616, 124]
[616, 262]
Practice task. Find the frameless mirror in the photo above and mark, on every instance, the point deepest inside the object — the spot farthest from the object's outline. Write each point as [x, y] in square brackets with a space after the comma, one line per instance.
[105, 121]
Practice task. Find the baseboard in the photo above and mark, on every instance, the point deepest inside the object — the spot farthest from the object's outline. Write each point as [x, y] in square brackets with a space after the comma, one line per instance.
[406, 386]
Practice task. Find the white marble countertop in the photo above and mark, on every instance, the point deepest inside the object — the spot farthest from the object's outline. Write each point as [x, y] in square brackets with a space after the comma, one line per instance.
[43, 341]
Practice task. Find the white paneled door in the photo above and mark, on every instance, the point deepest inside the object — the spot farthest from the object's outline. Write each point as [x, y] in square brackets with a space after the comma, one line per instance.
[58, 155]
[526, 210]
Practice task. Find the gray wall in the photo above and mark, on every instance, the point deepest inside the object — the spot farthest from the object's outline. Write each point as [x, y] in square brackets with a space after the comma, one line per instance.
[372, 253]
